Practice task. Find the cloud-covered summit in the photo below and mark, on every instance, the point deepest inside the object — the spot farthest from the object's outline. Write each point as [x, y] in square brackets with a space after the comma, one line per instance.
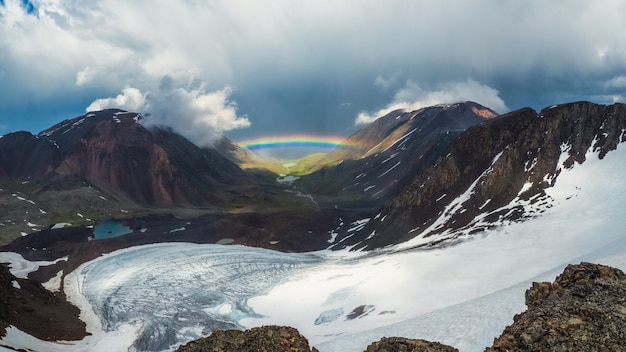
[413, 97]
[201, 116]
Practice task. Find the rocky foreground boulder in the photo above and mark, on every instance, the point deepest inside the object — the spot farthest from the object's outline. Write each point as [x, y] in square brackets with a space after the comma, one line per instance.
[266, 338]
[401, 344]
[583, 310]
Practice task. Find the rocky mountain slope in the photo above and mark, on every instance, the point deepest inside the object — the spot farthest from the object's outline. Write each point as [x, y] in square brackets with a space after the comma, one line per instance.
[388, 152]
[494, 173]
[28, 306]
[151, 167]
[106, 164]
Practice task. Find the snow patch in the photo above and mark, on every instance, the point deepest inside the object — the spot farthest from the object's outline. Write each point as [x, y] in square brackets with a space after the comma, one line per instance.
[20, 267]
[391, 168]
[54, 284]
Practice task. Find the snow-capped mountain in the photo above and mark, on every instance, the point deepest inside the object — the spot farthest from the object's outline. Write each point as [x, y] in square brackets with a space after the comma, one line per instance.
[495, 173]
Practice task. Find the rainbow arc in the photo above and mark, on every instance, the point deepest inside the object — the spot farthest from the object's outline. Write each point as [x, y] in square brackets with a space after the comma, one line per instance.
[297, 140]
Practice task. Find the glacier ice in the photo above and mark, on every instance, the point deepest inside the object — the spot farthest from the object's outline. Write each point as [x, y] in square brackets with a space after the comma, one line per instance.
[180, 291]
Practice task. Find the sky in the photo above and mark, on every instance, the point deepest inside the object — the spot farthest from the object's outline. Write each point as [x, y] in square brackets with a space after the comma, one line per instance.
[250, 69]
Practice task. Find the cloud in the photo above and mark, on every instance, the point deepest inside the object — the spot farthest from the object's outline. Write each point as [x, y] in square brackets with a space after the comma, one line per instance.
[413, 97]
[534, 54]
[131, 99]
[617, 82]
[202, 117]
[85, 76]
[387, 83]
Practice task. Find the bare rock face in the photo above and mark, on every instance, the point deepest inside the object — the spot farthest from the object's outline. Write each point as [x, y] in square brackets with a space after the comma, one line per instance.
[583, 310]
[401, 344]
[113, 151]
[266, 338]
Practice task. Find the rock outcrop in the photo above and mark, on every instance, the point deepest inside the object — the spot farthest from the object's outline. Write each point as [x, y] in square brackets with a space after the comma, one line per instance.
[36, 311]
[266, 338]
[583, 310]
[401, 344]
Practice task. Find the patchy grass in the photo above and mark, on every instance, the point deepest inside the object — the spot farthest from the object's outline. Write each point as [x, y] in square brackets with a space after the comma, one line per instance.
[298, 167]
[265, 200]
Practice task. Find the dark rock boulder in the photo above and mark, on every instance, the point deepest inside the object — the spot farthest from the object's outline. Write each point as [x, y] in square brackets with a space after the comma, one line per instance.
[401, 344]
[583, 310]
[266, 338]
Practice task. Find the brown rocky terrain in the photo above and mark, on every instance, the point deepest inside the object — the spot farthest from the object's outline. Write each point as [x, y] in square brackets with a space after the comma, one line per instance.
[151, 167]
[34, 310]
[401, 344]
[267, 338]
[584, 309]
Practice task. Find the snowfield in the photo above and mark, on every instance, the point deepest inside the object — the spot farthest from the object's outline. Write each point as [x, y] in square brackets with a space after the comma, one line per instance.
[157, 296]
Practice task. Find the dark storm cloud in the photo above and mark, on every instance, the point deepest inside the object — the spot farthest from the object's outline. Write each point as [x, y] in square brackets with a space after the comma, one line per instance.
[299, 66]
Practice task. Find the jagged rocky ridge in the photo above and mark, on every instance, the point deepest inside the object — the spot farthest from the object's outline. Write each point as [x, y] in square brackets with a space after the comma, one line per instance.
[584, 309]
[494, 173]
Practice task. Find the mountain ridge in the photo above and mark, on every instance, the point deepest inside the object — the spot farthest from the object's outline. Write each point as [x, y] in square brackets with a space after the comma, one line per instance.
[515, 156]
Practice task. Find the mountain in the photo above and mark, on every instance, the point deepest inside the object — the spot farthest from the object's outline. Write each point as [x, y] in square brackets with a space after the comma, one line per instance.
[107, 164]
[383, 155]
[156, 167]
[493, 174]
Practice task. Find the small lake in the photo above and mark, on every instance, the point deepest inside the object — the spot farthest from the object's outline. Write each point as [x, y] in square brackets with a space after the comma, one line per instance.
[109, 229]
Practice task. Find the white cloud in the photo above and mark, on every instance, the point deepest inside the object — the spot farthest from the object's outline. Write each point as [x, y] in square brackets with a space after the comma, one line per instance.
[413, 97]
[200, 116]
[131, 99]
[387, 83]
[85, 76]
[617, 82]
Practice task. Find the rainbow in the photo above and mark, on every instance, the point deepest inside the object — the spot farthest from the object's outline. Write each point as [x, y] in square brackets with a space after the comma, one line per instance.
[296, 140]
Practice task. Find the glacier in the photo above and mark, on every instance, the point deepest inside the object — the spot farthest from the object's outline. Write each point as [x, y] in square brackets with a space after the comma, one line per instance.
[179, 292]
